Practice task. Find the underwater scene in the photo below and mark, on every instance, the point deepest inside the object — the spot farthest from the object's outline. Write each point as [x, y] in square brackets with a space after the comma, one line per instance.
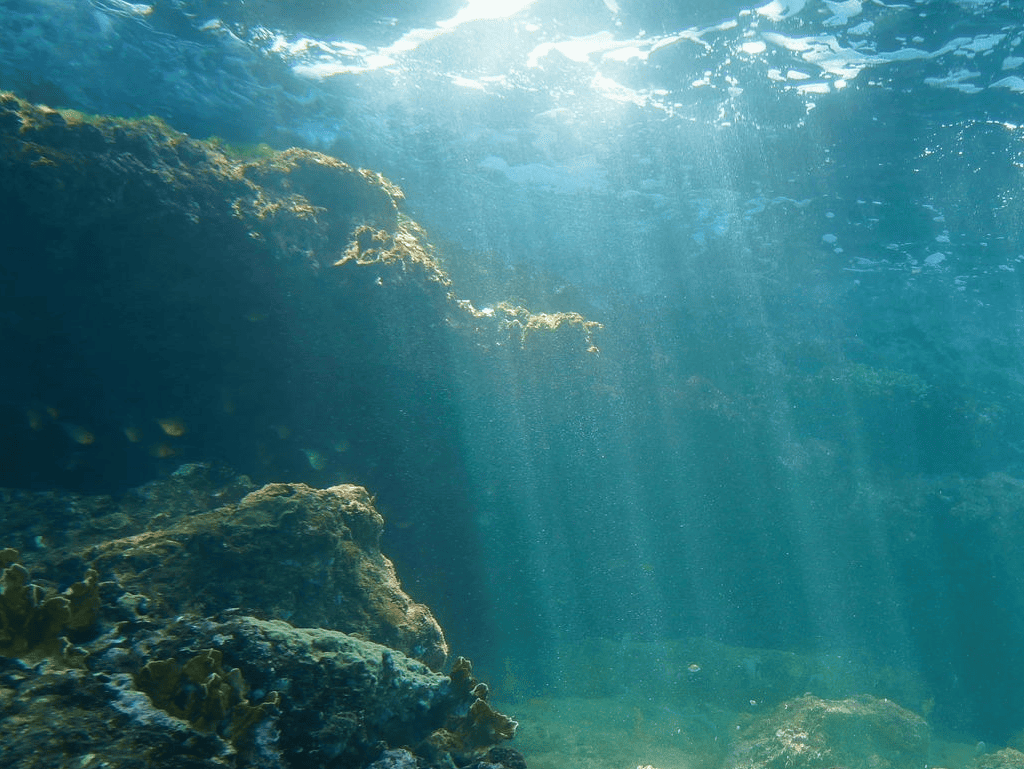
[491, 384]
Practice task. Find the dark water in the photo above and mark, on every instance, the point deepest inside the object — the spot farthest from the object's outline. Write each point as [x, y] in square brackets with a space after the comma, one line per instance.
[800, 225]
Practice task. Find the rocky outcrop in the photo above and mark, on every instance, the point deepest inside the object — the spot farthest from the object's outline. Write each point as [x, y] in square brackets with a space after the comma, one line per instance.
[235, 691]
[173, 299]
[308, 556]
[265, 631]
[859, 733]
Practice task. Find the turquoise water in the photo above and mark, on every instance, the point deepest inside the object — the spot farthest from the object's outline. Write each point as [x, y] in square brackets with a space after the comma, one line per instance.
[799, 224]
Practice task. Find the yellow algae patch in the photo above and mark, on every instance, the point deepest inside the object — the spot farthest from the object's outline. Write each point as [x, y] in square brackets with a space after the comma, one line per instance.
[523, 323]
[407, 244]
[172, 427]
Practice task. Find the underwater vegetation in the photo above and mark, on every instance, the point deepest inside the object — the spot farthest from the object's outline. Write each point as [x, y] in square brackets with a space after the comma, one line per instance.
[35, 623]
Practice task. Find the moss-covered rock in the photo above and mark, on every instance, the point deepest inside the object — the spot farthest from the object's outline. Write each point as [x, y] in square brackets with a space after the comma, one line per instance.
[169, 667]
[270, 309]
[858, 733]
[316, 553]
[1007, 758]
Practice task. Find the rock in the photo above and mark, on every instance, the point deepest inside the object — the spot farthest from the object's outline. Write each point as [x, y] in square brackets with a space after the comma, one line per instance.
[316, 553]
[268, 309]
[235, 692]
[395, 759]
[334, 697]
[857, 733]
[1008, 758]
[197, 543]
[171, 647]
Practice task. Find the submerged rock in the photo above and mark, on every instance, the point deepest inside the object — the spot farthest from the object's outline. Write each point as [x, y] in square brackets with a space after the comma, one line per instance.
[857, 733]
[270, 309]
[308, 556]
[1007, 758]
[177, 646]
[284, 551]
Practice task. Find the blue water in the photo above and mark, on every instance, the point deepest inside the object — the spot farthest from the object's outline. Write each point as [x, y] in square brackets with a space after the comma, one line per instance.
[800, 224]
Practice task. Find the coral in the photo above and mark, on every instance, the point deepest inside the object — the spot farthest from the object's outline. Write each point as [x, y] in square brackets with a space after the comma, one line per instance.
[467, 732]
[34, 624]
[206, 695]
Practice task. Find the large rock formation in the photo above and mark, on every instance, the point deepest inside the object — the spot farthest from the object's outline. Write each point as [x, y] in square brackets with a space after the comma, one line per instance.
[267, 631]
[170, 300]
[858, 732]
[304, 555]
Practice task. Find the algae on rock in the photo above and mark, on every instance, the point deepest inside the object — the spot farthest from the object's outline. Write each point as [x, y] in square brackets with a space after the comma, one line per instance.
[858, 733]
[176, 663]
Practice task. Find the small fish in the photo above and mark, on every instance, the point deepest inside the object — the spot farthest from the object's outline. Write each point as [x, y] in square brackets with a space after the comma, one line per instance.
[35, 419]
[131, 432]
[316, 460]
[161, 450]
[78, 434]
[172, 426]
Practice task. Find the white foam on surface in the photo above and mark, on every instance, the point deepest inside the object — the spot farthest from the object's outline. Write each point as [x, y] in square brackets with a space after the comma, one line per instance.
[843, 11]
[1014, 83]
[777, 10]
